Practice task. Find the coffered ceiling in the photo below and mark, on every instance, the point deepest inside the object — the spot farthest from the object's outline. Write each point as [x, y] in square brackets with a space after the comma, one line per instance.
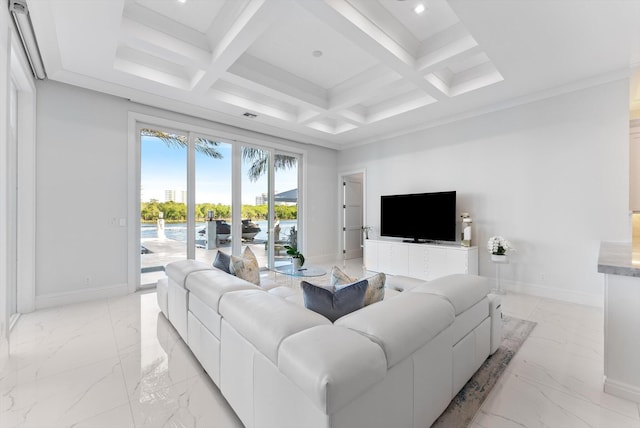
[336, 73]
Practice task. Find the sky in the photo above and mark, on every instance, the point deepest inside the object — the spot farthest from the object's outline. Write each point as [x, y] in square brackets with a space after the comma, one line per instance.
[165, 168]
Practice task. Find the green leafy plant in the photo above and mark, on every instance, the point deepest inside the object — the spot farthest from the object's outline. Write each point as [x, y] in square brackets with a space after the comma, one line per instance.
[293, 252]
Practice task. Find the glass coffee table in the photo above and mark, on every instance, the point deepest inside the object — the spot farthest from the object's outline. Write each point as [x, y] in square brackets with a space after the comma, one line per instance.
[302, 272]
[306, 271]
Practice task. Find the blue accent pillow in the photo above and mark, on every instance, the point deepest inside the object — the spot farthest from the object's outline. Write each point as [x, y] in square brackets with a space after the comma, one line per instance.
[222, 261]
[334, 304]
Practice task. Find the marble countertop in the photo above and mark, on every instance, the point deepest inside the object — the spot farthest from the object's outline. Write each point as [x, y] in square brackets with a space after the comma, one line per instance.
[617, 258]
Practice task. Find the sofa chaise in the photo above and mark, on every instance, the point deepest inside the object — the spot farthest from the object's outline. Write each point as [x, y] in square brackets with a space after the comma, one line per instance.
[394, 363]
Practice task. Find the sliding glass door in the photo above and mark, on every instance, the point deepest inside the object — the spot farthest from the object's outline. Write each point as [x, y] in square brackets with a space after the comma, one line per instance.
[286, 206]
[163, 201]
[213, 202]
[201, 194]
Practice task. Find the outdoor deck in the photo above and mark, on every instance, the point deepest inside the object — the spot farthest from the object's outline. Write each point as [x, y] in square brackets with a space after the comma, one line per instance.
[164, 250]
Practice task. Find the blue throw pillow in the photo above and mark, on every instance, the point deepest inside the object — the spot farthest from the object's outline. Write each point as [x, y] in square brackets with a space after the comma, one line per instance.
[334, 304]
[222, 261]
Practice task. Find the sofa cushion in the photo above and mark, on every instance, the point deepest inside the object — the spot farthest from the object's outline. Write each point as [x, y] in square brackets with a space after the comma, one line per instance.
[211, 285]
[334, 304]
[204, 313]
[332, 365]
[402, 283]
[266, 320]
[402, 325]
[462, 290]
[283, 291]
[179, 270]
[222, 261]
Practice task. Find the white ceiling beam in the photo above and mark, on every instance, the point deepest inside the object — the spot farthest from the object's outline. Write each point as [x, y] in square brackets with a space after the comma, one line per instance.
[344, 18]
[449, 54]
[150, 18]
[360, 87]
[150, 73]
[482, 75]
[252, 22]
[380, 16]
[398, 105]
[356, 115]
[273, 81]
[251, 105]
[162, 45]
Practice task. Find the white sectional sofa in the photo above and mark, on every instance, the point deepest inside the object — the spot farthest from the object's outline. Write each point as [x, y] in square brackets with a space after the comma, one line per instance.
[395, 363]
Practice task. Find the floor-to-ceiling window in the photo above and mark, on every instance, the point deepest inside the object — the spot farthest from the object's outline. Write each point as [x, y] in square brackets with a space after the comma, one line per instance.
[255, 201]
[163, 201]
[213, 203]
[286, 205]
[201, 194]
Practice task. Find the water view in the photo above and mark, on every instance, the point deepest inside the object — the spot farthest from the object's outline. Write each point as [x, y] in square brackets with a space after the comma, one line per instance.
[178, 231]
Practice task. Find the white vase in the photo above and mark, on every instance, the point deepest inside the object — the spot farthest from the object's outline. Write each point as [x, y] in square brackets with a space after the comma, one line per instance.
[295, 261]
[499, 258]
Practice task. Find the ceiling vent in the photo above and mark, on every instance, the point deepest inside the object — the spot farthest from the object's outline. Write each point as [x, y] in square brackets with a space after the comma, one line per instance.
[20, 13]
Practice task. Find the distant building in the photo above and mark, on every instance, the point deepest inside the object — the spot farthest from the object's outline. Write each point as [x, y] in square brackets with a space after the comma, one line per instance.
[179, 196]
[262, 199]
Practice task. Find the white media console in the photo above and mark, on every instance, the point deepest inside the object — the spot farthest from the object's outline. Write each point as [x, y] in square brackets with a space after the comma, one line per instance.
[422, 261]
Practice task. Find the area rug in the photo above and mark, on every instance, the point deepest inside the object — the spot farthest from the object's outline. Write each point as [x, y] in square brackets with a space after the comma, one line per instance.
[464, 406]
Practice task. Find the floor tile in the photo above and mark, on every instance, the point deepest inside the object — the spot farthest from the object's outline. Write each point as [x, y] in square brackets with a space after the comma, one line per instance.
[194, 403]
[520, 402]
[65, 399]
[156, 367]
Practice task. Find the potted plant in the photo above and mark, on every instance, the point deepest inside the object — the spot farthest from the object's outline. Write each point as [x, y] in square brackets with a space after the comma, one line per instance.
[296, 256]
[498, 247]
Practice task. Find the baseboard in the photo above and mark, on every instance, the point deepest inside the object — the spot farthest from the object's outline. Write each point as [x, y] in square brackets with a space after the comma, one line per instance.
[65, 298]
[622, 390]
[555, 293]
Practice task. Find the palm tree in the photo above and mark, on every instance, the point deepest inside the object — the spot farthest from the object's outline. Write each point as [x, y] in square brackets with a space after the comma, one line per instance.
[204, 146]
[260, 161]
[258, 157]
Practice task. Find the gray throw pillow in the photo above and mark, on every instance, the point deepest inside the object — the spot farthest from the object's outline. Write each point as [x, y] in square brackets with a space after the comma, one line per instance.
[334, 304]
[222, 261]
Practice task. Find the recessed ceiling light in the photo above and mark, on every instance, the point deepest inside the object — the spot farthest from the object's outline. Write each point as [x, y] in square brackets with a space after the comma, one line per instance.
[317, 54]
[182, 1]
[419, 8]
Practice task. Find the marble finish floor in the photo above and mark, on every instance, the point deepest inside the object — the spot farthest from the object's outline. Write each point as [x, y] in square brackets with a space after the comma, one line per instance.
[118, 363]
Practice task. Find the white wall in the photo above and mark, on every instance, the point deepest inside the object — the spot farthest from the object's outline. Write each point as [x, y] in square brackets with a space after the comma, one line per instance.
[82, 185]
[551, 176]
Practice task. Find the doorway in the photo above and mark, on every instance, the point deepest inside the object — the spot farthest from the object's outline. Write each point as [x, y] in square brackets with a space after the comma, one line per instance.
[352, 215]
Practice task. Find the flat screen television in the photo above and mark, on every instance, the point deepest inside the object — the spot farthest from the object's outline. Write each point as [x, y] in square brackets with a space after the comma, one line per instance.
[419, 216]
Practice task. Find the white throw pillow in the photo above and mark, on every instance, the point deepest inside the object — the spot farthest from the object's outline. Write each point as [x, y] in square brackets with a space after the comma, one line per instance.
[246, 267]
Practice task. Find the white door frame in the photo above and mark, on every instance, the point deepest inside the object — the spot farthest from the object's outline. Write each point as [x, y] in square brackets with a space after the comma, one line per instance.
[25, 178]
[20, 178]
[341, 227]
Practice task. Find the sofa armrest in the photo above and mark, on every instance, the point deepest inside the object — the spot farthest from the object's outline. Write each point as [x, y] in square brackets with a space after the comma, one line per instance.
[332, 365]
